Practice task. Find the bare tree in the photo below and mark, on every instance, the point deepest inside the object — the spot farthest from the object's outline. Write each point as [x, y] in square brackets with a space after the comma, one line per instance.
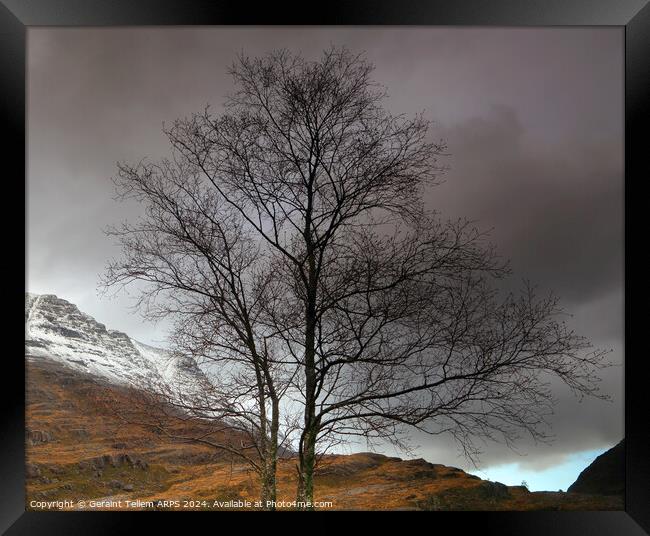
[194, 261]
[386, 317]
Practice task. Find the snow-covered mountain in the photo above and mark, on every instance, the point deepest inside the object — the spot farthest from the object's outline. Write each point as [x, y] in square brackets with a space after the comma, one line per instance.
[56, 329]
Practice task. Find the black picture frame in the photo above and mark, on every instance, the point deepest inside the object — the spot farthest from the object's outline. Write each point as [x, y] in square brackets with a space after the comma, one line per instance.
[17, 15]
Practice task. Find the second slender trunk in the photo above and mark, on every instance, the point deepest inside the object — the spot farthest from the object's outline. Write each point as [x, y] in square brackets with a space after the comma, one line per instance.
[268, 495]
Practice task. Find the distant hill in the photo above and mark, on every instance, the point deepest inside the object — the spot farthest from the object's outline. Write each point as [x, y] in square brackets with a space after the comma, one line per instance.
[605, 475]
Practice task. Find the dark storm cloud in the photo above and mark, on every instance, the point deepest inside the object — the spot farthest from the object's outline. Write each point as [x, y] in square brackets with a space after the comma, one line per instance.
[557, 212]
[533, 119]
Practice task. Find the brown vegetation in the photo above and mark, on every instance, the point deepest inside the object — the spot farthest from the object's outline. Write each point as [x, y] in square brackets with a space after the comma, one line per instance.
[76, 450]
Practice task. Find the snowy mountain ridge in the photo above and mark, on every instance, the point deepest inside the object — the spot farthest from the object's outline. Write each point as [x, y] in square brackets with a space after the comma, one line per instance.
[56, 329]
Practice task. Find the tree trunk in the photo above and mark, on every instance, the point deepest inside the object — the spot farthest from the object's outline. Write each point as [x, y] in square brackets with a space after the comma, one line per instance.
[307, 451]
[269, 478]
[305, 494]
[268, 493]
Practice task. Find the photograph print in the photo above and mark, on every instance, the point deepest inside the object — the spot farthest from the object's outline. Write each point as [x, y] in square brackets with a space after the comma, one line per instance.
[324, 268]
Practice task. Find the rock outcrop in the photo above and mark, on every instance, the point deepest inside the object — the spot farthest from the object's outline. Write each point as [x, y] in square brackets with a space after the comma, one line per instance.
[113, 460]
[38, 437]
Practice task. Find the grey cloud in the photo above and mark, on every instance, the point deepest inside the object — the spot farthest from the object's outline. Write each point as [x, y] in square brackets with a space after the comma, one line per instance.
[556, 212]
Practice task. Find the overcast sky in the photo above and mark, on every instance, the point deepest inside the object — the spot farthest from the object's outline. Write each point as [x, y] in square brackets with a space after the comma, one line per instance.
[534, 123]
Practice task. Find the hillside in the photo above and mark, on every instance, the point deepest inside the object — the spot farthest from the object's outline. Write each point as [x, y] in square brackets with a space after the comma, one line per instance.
[605, 475]
[76, 449]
